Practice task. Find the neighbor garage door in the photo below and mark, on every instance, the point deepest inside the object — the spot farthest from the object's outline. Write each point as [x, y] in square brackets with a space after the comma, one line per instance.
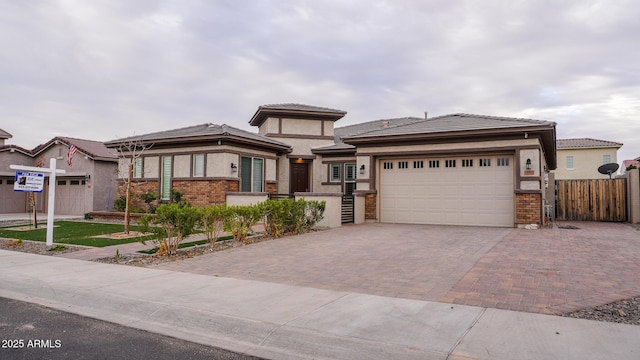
[11, 201]
[473, 190]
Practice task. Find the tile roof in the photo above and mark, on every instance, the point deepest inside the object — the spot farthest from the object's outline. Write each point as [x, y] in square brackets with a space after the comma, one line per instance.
[206, 130]
[627, 163]
[301, 107]
[447, 123]
[4, 135]
[586, 143]
[357, 129]
[94, 149]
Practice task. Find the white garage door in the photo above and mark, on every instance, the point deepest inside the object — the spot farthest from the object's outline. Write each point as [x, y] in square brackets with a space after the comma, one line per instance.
[70, 197]
[473, 190]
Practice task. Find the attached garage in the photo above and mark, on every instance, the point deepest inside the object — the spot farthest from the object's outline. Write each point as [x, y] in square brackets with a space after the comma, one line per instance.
[463, 190]
[70, 196]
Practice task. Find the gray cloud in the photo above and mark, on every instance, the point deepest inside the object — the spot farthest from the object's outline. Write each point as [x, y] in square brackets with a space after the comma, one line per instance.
[104, 69]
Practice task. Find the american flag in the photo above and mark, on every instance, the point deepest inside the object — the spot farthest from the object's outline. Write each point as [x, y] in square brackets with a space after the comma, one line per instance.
[72, 150]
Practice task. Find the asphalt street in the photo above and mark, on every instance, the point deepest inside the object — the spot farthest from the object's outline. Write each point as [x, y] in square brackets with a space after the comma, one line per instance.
[31, 331]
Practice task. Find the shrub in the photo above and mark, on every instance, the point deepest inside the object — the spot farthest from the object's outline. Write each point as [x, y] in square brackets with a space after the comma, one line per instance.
[120, 204]
[276, 215]
[212, 221]
[171, 224]
[150, 198]
[240, 220]
[291, 216]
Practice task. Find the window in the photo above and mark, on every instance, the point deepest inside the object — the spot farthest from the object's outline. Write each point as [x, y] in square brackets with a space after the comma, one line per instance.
[434, 164]
[467, 162]
[198, 165]
[606, 159]
[349, 178]
[334, 172]
[450, 163]
[0, 181]
[569, 162]
[502, 162]
[418, 164]
[74, 182]
[403, 164]
[387, 165]
[485, 162]
[62, 182]
[137, 168]
[251, 174]
[165, 181]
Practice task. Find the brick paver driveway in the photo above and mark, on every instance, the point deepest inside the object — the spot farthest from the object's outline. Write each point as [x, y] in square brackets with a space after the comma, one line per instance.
[545, 271]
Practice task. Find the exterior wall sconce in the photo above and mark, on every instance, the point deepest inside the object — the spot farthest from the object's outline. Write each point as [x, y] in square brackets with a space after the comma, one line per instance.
[234, 167]
[528, 164]
[87, 177]
[362, 169]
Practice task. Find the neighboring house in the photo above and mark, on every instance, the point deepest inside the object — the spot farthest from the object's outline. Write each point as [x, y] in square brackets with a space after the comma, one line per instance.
[630, 163]
[455, 169]
[86, 186]
[580, 158]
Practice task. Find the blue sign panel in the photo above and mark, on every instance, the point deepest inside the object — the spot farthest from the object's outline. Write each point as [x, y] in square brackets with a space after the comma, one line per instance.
[28, 181]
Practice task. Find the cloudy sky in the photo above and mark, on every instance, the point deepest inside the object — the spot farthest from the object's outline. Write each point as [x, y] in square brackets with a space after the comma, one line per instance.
[105, 69]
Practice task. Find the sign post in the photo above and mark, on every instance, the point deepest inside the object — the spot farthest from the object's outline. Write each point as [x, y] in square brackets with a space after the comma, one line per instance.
[29, 182]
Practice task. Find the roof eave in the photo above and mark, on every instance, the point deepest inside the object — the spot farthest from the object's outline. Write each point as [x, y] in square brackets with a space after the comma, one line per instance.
[263, 113]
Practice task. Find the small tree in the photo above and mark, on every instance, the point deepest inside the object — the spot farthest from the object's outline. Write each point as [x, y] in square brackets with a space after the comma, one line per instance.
[212, 221]
[128, 153]
[171, 224]
[240, 220]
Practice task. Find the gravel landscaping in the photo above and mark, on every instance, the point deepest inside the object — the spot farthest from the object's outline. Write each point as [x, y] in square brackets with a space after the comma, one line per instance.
[37, 247]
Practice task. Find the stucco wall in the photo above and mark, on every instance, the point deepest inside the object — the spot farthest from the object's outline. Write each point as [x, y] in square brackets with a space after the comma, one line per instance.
[181, 166]
[362, 151]
[585, 163]
[301, 127]
[104, 184]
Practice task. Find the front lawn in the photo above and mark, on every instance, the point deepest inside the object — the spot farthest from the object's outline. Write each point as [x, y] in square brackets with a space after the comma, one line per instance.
[74, 233]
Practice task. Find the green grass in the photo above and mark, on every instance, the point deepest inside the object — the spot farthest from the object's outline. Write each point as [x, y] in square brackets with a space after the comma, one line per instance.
[74, 233]
[187, 244]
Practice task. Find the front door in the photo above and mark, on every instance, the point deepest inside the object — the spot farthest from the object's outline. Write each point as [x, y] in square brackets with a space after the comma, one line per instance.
[299, 177]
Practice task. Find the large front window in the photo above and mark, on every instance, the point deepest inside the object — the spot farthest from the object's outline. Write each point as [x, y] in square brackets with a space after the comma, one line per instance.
[251, 174]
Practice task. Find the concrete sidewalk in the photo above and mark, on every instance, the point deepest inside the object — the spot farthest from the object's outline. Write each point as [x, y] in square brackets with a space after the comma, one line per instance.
[288, 322]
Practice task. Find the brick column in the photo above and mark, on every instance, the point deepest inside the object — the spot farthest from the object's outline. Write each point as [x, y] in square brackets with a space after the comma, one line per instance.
[528, 208]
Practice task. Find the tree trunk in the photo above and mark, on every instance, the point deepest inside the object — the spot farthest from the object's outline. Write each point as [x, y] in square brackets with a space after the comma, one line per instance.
[127, 210]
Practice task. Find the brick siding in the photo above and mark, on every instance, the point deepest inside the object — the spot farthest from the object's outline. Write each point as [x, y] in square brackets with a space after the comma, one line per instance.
[370, 207]
[528, 208]
[205, 192]
[197, 192]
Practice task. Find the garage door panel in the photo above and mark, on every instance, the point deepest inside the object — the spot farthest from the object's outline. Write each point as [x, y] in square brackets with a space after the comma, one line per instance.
[453, 196]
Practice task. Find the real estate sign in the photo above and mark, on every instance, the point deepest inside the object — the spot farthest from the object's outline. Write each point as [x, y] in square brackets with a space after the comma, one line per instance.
[28, 181]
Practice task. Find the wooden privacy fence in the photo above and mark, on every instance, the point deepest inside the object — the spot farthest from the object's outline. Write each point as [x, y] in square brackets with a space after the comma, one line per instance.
[591, 200]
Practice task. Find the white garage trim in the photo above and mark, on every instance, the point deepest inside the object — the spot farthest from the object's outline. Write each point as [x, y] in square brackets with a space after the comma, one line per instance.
[458, 190]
